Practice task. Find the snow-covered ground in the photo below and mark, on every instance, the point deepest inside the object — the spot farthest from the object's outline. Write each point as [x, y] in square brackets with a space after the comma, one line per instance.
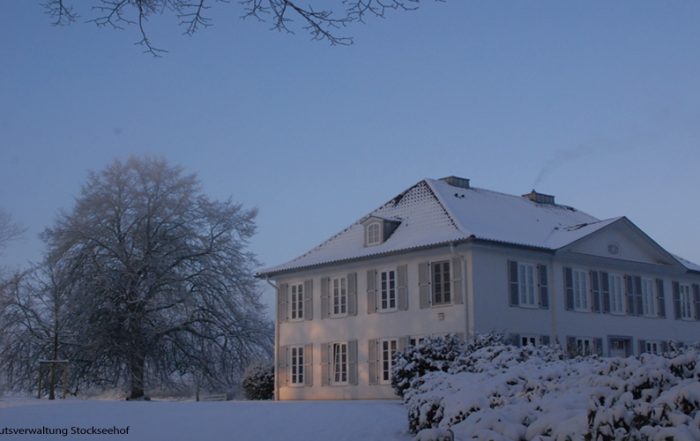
[209, 421]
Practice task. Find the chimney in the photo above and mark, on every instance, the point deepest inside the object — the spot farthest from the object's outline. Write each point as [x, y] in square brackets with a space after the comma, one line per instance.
[456, 181]
[540, 198]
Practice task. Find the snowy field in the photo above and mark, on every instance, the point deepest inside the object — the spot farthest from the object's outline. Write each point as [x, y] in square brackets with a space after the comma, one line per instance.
[209, 421]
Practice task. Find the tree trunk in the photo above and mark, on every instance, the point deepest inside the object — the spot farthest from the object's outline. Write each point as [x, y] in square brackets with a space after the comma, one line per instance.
[136, 371]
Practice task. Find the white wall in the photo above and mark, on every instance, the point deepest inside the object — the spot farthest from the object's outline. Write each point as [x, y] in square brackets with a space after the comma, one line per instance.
[364, 326]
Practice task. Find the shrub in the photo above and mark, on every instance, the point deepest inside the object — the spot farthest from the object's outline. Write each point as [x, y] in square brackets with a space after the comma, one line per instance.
[259, 382]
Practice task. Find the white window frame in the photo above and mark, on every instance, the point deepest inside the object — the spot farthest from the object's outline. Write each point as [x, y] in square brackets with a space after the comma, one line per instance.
[652, 347]
[582, 342]
[373, 234]
[339, 296]
[416, 339]
[686, 301]
[648, 297]
[387, 348]
[530, 340]
[340, 374]
[385, 290]
[296, 302]
[296, 366]
[617, 293]
[579, 280]
[445, 284]
[527, 285]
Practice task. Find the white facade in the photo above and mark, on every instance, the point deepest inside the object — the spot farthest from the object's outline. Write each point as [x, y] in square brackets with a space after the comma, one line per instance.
[592, 286]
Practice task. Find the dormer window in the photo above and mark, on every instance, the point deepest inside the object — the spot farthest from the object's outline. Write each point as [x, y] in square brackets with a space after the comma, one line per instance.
[373, 234]
[378, 229]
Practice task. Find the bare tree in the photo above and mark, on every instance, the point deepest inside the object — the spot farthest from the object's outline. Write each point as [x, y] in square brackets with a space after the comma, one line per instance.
[9, 230]
[322, 23]
[162, 280]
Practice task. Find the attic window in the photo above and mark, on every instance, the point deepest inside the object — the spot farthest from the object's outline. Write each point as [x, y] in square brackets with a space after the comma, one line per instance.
[373, 234]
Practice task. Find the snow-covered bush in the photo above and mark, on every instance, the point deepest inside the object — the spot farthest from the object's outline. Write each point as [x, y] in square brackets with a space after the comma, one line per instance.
[429, 355]
[502, 392]
[259, 382]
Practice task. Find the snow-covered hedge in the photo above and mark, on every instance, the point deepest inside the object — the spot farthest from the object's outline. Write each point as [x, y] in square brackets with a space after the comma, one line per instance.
[259, 382]
[505, 393]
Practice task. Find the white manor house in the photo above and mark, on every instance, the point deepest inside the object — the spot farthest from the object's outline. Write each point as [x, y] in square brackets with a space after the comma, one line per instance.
[445, 257]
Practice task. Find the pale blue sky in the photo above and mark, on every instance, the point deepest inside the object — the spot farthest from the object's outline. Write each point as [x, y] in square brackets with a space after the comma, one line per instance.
[599, 99]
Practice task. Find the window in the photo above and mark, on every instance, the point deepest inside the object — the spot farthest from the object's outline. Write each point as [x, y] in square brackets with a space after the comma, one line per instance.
[526, 284]
[686, 303]
[388, 348]
[441, 283]
[648, 298]
[617, 305]
[584, 346]
[413, 341]
[339, 296]
[297, 364]
[296, 302]
[387, 290]
[652, 347]
[373, 234]
[529, 340]
[580, 290]
[340, 363]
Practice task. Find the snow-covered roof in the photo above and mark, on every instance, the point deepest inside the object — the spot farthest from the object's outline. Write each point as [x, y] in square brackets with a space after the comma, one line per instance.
[433, 212]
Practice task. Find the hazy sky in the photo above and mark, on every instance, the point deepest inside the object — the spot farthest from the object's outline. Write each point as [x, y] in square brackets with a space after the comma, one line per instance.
[595, 102]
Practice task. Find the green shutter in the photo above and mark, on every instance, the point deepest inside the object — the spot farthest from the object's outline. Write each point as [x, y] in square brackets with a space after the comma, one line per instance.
[371, 291]
[352, 294]
[309, 299]
[676, 299]
[605, 291]
[595, 291]
[309, 365]
[352, 362]
[513, 296]
[282, 296]
[696, 298]
[372, 355]
[325, 363]
[424, 284]
[542, 281]
[402, 287]
[569, 289]
[660, 298]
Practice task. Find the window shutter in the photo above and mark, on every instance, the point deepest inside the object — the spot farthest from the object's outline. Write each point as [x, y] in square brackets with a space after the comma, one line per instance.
[676, 299]
[544, 292]
[629, 295]
[402, 344]
[325, 297]
[282, 296]
[424, 284]
[545, 340]
[308, 299]
[605, 292]
[642, 346]
[513, 297]
[371, 291]
[352, 294]
[373, 350]
[457, 280]
[325, 363]
[515, 339]
[638, 307]
[309, 365]
[595, 290]
[402, 287]
[282, 362]
[696, 297]
[571, 346]
[598, 345]
[660, 298]
[569, 288]
[352, 362]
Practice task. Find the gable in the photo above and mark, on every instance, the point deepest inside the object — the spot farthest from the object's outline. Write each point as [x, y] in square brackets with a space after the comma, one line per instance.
[622, 240]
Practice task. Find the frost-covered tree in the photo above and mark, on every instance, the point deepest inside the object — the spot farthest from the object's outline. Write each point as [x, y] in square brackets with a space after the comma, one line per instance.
[323, 20]
[163, 280]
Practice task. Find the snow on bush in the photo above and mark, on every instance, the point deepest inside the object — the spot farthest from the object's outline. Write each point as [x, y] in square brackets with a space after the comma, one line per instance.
[505, 393]
[259, 382]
